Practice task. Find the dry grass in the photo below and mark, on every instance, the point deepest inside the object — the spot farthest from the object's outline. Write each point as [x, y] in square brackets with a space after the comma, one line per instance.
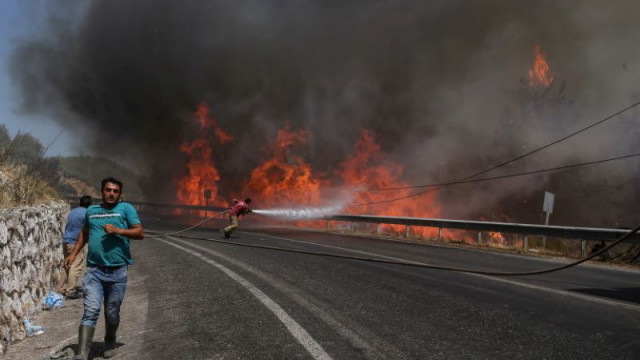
[81, 188]
[18, 187]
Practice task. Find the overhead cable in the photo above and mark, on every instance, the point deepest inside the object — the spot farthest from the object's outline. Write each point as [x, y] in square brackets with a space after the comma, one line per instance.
[424, 265]
[558, 168]
[520, 157]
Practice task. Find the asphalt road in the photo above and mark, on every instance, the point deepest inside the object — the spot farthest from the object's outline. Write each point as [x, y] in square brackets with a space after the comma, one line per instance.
[208, 299]
[203, 299]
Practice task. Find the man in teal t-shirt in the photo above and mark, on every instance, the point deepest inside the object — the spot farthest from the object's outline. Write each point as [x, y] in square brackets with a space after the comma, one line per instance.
[111, 249]
[108, 227]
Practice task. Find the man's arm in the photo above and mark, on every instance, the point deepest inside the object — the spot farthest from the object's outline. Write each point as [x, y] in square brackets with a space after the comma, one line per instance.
[135, 232]
[82, 240]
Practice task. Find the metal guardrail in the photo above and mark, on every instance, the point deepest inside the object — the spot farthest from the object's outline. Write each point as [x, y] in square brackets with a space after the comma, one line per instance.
[570, 232]
[177, 206]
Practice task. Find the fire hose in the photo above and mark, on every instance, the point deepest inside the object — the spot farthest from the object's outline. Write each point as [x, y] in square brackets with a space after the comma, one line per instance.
[406, 263]
[189, 228]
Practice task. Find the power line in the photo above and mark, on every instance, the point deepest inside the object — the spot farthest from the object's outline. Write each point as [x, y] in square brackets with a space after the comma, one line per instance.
[520, 157]
[509, 175]
[553, 142]
[419, 264]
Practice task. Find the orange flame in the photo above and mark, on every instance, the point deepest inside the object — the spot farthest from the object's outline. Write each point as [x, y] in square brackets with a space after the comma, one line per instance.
[540, 75]
[497, 237]
[202, 172]
[285, 178]
[369, 167]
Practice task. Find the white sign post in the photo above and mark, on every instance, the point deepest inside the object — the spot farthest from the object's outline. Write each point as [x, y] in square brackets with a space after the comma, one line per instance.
[547, 207]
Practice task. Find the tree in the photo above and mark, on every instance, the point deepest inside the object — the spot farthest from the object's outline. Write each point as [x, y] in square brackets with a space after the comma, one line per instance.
[26, 149]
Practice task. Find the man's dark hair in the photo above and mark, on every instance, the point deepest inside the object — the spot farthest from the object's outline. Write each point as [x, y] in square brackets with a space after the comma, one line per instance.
[110, 180]
[85, 201]
[247, 200]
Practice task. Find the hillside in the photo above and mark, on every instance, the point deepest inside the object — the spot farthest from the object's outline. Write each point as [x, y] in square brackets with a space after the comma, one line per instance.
[28, 177]
[84, 174]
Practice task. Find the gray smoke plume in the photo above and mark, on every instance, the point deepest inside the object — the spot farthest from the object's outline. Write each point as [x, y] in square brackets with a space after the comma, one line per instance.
[443, 84]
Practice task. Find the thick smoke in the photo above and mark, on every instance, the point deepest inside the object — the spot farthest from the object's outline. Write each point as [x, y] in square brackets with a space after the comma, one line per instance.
[442, 83]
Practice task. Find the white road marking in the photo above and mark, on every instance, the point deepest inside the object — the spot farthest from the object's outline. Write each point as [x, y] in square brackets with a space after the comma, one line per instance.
[371, 345]
[294, 328]
[599, 300]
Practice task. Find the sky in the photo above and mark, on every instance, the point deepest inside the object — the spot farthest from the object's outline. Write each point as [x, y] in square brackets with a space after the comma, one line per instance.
[19, 18]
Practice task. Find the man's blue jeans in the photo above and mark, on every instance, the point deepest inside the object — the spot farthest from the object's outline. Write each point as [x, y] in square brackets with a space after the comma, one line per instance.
[108, 283]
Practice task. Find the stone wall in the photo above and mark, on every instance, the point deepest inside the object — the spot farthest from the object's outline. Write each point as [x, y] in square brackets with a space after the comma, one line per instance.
[30, 264]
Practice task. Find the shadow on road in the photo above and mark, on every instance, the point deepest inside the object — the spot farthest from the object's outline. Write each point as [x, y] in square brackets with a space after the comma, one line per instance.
[631, 295]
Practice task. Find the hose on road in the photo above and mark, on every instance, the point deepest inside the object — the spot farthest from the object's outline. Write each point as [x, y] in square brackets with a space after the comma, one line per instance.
[155, 235]
[412, 263]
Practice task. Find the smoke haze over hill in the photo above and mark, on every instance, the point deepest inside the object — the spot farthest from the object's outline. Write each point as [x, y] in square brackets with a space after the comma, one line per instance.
[442, 84]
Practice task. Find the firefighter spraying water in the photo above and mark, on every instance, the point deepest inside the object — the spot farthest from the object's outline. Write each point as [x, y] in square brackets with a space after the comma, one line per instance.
[239, 208]
[298, 213]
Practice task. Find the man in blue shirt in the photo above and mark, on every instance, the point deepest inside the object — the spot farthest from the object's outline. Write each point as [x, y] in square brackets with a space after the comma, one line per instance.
[107, 229]
[75, 223]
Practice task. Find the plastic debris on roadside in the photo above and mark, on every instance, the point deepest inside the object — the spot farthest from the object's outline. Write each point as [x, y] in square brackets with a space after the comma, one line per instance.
[33, 330]
[65, 354]
[53, 300]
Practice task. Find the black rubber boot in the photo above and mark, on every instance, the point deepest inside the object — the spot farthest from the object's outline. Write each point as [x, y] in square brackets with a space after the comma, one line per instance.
[85, 336]
[110, 340]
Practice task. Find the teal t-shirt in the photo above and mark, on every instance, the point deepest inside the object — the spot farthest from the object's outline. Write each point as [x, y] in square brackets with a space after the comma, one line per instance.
[105, 249]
